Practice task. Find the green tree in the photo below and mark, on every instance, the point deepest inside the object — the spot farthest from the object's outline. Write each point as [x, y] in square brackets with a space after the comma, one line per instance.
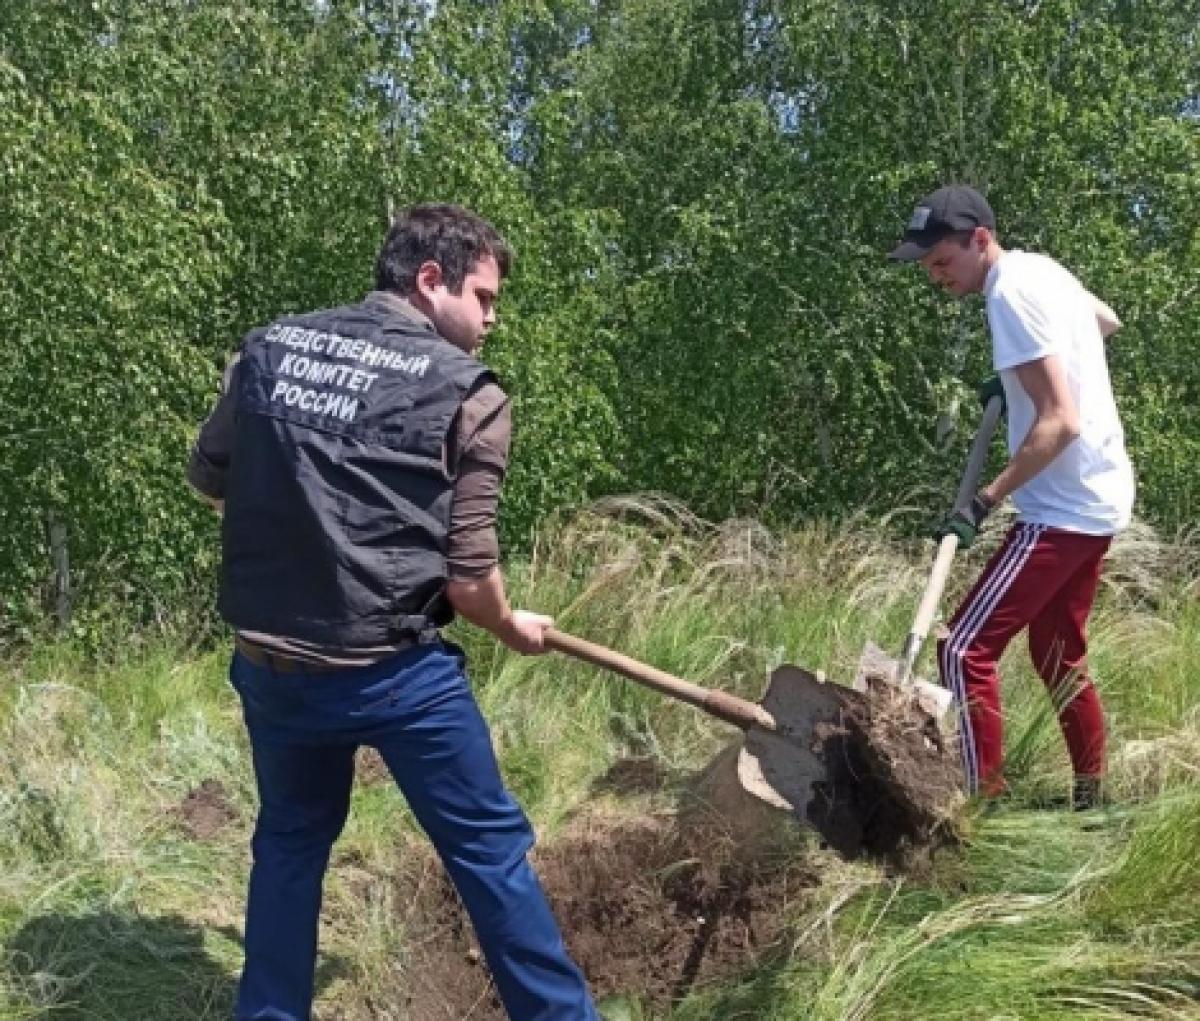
[753, 163]
[701, 196]
[171, 172]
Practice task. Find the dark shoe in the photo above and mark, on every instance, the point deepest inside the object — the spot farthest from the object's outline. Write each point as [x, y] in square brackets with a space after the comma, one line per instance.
[1087, 792]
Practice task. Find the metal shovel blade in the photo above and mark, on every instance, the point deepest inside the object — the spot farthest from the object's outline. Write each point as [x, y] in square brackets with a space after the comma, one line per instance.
[860, 768]
[875, 666]
[787, 768]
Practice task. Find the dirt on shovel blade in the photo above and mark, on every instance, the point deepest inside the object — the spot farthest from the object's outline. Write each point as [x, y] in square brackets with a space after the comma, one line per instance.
[871, 771]
[894, 780]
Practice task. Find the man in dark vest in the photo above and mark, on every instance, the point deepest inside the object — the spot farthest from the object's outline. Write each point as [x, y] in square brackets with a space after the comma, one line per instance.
[356, 455]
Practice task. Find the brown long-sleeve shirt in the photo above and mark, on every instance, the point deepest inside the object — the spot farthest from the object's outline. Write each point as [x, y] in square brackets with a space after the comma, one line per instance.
[476, 458]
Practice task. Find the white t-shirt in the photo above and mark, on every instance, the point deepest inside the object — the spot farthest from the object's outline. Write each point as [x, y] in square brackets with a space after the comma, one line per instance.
[1036, 308]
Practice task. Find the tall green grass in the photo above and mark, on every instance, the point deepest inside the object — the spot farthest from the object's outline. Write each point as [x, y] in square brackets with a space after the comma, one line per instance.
[110, 908]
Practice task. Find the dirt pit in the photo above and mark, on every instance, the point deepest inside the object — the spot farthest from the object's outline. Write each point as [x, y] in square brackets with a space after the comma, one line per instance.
[656, 906]
[651, 907]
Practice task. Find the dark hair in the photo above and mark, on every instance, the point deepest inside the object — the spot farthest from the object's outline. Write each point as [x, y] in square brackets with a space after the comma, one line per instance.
[452, 236]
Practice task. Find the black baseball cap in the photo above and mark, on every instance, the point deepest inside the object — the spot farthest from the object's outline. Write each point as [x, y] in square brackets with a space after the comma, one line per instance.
[940, 213]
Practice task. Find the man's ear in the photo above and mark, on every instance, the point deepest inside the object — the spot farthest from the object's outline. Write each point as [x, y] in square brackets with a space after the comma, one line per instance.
[981, 239]
[429, 277]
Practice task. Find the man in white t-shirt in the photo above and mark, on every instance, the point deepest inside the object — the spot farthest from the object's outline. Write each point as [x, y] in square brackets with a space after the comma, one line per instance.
[1068, 476]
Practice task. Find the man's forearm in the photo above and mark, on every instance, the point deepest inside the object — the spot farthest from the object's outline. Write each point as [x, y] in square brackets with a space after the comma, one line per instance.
[206, 475]
[484, 604]
[1048, 438]
[482, 601]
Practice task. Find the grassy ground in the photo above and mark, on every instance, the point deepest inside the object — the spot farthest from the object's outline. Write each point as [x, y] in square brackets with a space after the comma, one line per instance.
[115, 902]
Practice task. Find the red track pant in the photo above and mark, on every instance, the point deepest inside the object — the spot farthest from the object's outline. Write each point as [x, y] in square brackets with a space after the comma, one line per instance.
[1044, 579]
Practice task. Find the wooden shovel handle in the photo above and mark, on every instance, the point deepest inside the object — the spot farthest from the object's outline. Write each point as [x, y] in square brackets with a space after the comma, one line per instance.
[720, 704]
[929, 604]
[969, 484]
[936, 584]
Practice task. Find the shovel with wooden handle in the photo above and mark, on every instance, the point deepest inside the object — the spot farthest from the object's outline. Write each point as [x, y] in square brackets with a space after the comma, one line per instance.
[782, 760]
[794, 752]
[874, 662]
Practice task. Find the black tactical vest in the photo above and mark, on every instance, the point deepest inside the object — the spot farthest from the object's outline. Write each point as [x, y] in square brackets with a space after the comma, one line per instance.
[338, 500]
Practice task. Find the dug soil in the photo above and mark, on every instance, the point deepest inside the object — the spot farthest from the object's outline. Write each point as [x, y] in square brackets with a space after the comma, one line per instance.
[656, 906]
[206, 812]
[870, 770]
[650, 908]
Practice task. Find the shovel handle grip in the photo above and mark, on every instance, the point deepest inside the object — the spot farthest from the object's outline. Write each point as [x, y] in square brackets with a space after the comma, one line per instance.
[720, 704]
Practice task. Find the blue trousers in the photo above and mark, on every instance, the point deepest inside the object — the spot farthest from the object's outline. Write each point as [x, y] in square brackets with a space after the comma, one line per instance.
[417, 709]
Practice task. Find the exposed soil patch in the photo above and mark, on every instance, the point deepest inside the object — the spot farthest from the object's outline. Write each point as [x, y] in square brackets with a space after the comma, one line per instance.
[206, 811]
[653, 907]
[657, 911]
[634, 775]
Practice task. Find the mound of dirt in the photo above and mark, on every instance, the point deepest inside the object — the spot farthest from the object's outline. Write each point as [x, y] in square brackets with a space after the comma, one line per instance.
[206, 812]
[655, 906]
[650, 906]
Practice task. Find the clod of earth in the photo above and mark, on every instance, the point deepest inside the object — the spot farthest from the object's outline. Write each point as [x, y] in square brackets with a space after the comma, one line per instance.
[894, 780]
[206, 811]
[870, 771]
